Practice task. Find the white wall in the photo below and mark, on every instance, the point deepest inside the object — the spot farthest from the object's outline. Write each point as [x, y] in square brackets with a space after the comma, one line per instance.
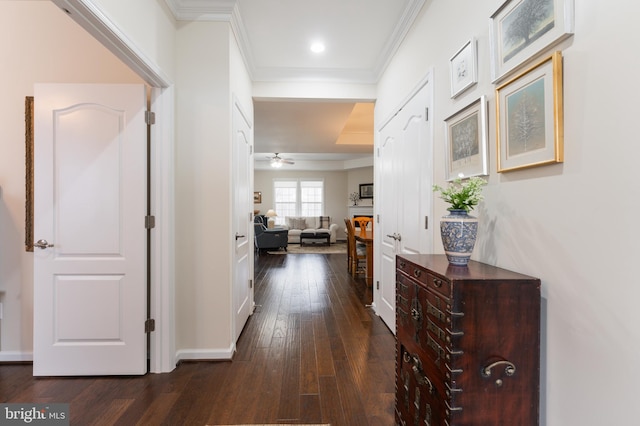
[45, 46]
[203, 154]
[209, 76]
[355, 178]
[314, 90]
[572, 224]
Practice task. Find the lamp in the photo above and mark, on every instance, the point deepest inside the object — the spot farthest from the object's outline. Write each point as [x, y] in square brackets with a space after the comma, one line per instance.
[271, 214]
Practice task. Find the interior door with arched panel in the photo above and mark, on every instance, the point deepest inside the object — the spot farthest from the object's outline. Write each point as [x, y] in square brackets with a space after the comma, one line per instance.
[242, 219]
[387, 183]
[90, 192]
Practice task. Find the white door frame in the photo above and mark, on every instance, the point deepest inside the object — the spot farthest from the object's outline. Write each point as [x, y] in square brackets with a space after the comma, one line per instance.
[88, 16]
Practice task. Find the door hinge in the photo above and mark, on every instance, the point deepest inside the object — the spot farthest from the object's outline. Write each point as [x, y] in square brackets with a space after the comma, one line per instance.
[149, 325]
[426, 114]
[377, 285]
[250, 283]
[426, 222]
[150, 117]
[149, 222]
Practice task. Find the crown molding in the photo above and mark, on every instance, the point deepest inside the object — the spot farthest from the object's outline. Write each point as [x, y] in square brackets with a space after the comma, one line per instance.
[202, 10]
[397, 37]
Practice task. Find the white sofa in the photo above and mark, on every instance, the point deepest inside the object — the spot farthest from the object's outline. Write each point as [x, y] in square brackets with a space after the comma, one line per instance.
[299, 224]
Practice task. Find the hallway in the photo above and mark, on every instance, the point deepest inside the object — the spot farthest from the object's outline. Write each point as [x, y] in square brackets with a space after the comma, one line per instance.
[311, 353]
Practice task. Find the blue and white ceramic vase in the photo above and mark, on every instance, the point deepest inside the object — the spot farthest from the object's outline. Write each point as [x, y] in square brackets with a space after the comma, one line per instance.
[459, 232]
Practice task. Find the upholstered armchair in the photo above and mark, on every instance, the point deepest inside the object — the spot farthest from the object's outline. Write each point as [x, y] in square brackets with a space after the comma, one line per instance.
[269, 239]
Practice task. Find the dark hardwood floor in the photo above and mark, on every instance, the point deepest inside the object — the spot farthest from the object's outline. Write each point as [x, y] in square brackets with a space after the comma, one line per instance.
[311, 353]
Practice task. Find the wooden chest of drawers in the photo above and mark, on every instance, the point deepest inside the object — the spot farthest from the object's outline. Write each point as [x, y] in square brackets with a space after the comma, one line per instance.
[468, 344]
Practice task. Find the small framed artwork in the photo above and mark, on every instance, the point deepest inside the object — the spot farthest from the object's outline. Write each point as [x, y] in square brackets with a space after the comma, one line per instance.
[257, 197]
[463, 67]
[529, 122]
[466, 141]
[521, 30]
[366, 190]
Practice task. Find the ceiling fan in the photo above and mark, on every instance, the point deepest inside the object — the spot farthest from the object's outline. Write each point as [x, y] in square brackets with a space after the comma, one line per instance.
[278, 161]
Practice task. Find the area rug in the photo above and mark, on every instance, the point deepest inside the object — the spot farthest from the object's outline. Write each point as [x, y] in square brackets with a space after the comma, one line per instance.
[335, 248]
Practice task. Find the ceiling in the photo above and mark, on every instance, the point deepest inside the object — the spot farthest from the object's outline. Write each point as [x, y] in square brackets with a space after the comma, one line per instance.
[360, 37]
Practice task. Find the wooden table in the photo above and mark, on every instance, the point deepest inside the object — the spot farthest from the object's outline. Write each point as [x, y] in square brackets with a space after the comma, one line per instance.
[366, 236]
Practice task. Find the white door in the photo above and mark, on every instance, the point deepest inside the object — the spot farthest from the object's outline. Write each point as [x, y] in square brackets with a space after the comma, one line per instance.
[416, 176]
[404, 179]
[89, 207]
[387, 182]
[242, 220]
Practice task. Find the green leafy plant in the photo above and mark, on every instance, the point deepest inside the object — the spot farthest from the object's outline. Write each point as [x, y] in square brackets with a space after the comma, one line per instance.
[461, 194]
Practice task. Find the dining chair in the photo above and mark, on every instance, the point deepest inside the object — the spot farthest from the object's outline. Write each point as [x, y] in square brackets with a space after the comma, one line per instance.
[362, 222]
[358, 251]
[347, 222]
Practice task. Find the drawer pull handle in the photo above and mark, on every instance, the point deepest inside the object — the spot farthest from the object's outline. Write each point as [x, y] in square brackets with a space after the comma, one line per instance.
[509, 370]
[415, 314]
[437, 283]
[402, 264]
[416, 273]
[421, 378]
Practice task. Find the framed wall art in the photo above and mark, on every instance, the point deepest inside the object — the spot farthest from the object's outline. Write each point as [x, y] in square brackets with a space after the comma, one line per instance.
[522, 30]
[466, 141]
[366, 190]
[463, 68]
[529, 121]
[257, 197]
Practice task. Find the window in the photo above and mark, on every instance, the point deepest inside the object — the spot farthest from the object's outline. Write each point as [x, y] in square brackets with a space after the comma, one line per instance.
[311, 196]
[297, 197]
[285, 196]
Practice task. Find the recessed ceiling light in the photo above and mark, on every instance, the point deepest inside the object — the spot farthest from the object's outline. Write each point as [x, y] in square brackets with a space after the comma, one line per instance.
[317, 47]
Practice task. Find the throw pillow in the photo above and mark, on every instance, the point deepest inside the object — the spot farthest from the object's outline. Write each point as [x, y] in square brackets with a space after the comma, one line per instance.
[299, 223]
[289, 222]
[325, 222]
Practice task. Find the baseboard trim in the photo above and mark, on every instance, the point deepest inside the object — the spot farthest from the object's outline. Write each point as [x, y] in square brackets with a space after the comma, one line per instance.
[16, 356]
[205, 354]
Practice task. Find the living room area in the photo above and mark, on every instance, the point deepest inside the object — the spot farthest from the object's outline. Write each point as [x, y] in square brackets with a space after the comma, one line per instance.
[336, 187]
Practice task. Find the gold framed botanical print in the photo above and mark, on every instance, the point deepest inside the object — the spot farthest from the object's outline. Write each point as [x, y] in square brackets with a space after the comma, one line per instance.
[530, 118]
